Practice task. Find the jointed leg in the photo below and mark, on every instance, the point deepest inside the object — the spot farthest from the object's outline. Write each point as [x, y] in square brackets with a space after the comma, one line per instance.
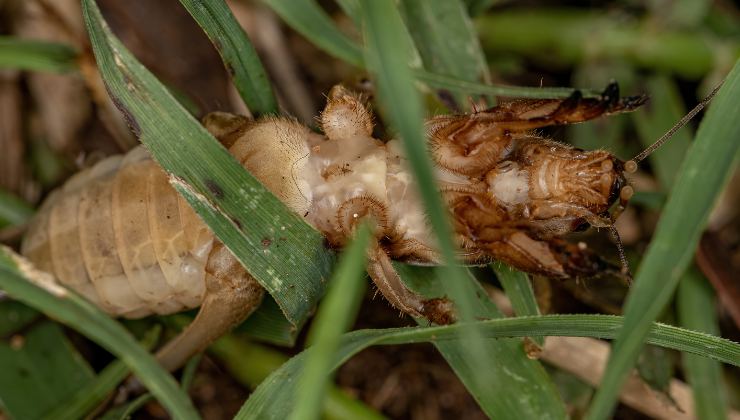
[231, 295]
[345, 116]
[554, 258]
[527, 114]
[389, 283]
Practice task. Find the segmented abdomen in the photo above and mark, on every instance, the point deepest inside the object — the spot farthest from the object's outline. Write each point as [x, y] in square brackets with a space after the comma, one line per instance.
[120, 235]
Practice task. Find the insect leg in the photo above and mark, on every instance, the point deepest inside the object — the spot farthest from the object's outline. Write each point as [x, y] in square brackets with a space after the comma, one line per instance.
[527, 114]
[231, 295]
[555, 258]
[225, 127]
[389, 283]
[345, 116]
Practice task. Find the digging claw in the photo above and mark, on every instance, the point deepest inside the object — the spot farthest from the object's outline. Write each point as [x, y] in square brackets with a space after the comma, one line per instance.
[440, 311]
[611, 95]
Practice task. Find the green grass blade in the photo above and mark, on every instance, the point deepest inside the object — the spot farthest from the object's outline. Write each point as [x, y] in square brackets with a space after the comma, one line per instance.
[308, 19]
[351, 8]
[663, 111]
[476, 7]
[387, 59]
[25, 54]
[34, 379]
[241, 212]
[446, 40]
[251, 363]
[36, 289]
[89, 397]
[708, 164]
[335, 316]
[695, 304]
[555, 37]
[13, 210]
[238, 54]
[85, 399]
[440, 81]
[14, 316]
[274, 398]
[268, 324]
[497, 396]
[518, 289]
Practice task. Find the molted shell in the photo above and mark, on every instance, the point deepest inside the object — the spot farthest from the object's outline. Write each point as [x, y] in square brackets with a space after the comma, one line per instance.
[120, 235]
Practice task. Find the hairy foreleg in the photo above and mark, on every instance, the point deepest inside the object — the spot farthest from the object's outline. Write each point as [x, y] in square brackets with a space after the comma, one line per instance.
[555, 258]
[389, 283]
[528, 114]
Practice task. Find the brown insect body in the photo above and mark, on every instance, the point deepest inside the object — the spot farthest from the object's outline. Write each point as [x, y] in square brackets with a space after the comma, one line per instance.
[120, 234]
[527, 191]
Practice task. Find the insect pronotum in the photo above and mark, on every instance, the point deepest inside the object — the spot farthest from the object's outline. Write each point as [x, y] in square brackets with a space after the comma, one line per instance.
[119, 234]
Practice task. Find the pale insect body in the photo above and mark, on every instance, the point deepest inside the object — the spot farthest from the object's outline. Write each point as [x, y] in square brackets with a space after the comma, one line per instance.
[120, 234]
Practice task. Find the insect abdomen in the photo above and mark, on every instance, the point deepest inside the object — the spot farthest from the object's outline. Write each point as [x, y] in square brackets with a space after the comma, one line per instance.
[120, 235]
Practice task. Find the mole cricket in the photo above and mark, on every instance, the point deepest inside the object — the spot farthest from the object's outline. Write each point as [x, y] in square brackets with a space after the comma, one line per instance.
[121, 236]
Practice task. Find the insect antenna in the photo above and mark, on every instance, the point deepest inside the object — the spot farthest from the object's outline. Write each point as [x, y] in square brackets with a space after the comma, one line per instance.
[631, 165]
[622, 256]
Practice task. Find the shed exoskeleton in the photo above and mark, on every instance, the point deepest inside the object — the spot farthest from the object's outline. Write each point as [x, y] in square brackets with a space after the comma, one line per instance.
[119, 234]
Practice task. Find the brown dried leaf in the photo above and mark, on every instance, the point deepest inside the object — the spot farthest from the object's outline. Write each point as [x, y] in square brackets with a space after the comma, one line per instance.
[62, 99]
[11, 133]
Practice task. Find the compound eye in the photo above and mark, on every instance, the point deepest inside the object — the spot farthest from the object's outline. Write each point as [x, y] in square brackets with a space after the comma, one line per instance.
[616, 190]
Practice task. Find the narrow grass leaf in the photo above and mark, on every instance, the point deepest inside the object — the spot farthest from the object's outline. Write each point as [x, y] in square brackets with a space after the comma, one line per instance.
[352, 9]
[446, 40]
[238, 54]
[13, 210]
[268, 324]
[251, 363]
[497, 396]
[15, 316]
[26, 54]
[308, 19]
[476, 7]
[40, 370]
[90, 396]
[241, 212]
[386, 58]
[695, 304]
[709, 162]
[663, 111]
[125, 411]
[555, 37]
[518, 289]
[453, 84]
[683, 13]
[40, 291]
[274, 398]
[335, 316]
